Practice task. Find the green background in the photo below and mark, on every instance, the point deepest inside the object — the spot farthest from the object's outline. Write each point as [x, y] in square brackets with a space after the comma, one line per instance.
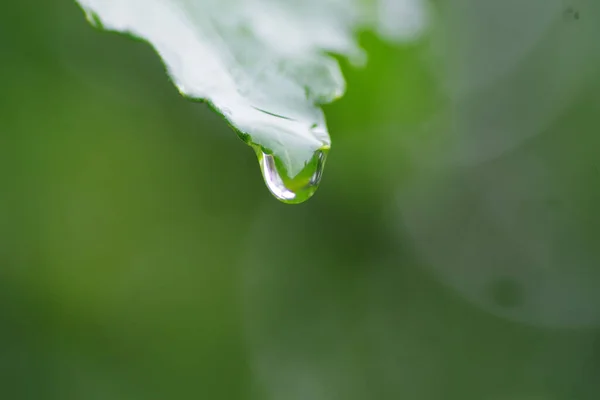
[452, 251]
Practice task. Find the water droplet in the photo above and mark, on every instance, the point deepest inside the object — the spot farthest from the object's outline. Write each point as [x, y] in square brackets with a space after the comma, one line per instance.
[296, 189]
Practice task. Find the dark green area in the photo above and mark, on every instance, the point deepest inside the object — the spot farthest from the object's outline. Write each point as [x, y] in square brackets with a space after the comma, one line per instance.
[452, 251]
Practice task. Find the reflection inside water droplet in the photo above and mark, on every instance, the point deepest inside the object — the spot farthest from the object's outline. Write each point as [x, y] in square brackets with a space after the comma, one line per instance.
[292, 190]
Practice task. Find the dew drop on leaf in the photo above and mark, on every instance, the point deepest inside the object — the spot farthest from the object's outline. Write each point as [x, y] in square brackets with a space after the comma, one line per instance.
[296, 189]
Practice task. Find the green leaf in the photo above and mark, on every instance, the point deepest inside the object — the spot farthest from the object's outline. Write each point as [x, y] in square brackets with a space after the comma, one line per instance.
[266, 65]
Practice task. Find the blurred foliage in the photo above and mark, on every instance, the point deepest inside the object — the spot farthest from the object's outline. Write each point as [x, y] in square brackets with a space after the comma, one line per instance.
[451, 251]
